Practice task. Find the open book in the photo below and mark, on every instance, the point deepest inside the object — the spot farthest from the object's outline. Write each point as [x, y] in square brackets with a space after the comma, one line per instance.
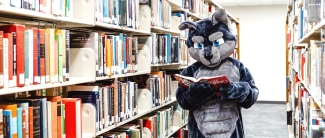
[186, 81]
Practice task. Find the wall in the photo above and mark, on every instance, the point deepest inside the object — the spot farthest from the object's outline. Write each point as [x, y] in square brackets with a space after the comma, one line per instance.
[262, 38]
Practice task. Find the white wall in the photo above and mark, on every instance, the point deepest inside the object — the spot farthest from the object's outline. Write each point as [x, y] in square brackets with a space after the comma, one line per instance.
[262, 42]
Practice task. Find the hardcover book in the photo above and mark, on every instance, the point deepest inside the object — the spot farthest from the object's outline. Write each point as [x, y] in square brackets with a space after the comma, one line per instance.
[186, 81]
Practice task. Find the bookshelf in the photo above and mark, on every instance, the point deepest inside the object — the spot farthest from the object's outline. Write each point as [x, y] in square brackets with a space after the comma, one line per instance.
[305, 22]
[98, 67]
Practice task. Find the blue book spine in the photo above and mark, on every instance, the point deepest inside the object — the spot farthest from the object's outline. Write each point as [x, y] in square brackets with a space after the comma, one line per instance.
[26, 53]
[20, 122]
[43, 117]
[7, 114]
[105, 11]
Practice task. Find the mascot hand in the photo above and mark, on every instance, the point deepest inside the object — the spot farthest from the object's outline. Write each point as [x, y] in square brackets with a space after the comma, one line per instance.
[201, 90]
[226, 89]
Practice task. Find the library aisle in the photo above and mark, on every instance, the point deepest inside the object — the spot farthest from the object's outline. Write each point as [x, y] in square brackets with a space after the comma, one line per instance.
[265, 120]
[96, 68]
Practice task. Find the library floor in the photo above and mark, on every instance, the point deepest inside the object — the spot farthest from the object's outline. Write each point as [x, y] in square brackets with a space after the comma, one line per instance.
[265, 121]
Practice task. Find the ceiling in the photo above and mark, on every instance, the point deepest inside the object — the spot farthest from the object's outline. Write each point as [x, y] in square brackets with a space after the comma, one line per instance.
[230, 3]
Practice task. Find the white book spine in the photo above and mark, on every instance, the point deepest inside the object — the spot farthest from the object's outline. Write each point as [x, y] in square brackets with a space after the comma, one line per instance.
[5, 63]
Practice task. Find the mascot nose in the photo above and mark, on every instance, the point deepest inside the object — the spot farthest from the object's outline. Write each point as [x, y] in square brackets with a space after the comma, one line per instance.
[208, 56]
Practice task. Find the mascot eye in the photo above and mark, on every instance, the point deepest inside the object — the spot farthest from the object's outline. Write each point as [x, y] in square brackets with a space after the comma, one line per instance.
[198, 45]
[218, 42]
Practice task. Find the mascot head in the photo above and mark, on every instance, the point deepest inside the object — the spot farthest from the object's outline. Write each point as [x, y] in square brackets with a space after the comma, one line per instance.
[210, 40]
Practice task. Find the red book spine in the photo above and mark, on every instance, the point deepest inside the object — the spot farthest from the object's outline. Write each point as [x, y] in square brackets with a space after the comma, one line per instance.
[19, 30]
[10, 60]
[71, 115]
[35, 58]
[42, 55]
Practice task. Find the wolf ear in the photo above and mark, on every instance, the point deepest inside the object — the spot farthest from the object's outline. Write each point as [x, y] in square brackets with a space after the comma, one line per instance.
[220, 16]
[187, 25]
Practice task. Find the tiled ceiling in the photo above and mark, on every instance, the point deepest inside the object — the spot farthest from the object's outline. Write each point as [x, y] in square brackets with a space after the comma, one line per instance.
[231, 3]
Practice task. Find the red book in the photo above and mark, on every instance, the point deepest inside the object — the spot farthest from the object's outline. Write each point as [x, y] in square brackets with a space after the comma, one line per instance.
[186, 81]
[73, 116]
[36, 78]
[9, 36]
[19, 31]
[42, 55]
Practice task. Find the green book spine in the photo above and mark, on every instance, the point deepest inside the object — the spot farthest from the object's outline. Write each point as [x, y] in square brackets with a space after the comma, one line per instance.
[63, 121]
[58, 38]
[26, 53]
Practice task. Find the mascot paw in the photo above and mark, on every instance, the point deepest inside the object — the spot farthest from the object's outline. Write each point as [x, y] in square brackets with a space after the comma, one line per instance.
[201, 89]
[226, 89]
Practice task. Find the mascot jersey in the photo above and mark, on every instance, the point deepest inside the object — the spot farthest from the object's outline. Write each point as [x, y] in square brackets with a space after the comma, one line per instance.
[211, 42]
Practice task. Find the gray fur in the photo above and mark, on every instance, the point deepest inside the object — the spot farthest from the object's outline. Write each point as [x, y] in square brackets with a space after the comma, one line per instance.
[216, 118]
[215, 36]
[198, 39]
[215, 61]
[194, 53]
[220, 16]
[226, 49]
[187, 25]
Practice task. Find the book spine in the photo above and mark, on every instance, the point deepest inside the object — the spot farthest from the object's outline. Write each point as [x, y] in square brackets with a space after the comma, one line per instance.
[64, 54]
[7, 130]
[31, 56]
[30, 122]
[5, 62]
[42, 56]
[35, 54]
[56, 58]
[26, 59]
[60, 58]
[1, 61]
[10, 60]
[67, 35]
[59, 119]
[19, 123]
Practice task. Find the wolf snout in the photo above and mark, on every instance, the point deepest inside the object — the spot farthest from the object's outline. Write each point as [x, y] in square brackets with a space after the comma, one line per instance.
[208, 56]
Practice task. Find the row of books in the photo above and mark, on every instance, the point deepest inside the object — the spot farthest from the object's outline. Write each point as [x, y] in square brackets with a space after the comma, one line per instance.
[115, 54]
[305, 116]
[304, 17]
[118, 12]
[165, 49]
[114, 101]
[307, 61]
[55, 7]
[33, 56]
[40, 116]
[160, 13]
[157, 124]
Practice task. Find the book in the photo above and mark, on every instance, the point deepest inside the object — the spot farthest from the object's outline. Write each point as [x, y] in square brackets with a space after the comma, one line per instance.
[186, 81]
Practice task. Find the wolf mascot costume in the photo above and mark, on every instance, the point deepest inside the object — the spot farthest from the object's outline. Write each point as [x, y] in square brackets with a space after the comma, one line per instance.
[211, 42]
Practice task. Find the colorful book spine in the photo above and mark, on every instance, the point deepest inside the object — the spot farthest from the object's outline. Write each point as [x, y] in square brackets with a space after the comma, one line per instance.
[20, 122]
[26, 53]
[7, 119]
